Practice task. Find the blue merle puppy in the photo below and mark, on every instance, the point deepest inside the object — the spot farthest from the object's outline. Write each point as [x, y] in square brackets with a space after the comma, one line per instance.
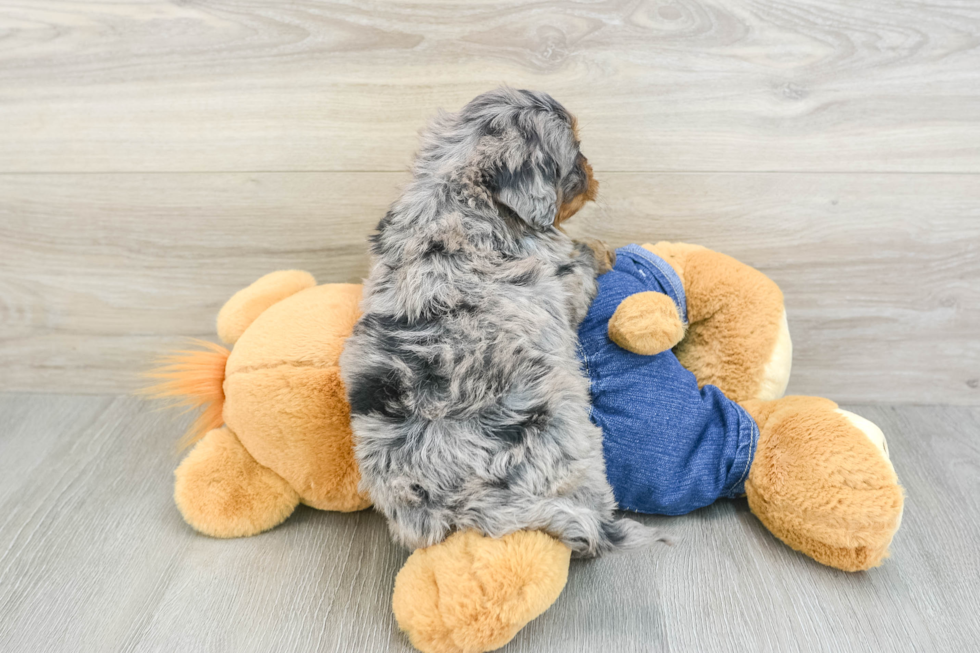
[469, 406]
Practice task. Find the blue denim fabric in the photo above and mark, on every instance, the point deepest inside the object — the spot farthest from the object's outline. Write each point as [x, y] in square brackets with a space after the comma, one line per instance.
[670, 448]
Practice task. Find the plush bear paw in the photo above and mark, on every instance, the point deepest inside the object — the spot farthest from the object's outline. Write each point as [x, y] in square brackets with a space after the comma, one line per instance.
[646, 323]
[222, 491]
[822, 482]
[473, 593]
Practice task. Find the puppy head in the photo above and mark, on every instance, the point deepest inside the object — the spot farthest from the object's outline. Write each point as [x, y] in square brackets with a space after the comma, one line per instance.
[528, 155]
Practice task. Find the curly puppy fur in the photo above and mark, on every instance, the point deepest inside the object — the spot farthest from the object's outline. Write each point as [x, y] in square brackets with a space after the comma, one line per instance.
[469, 406]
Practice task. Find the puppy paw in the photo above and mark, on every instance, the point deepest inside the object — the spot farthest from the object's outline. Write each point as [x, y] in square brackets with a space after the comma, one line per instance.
[605, 257]
[473, 593]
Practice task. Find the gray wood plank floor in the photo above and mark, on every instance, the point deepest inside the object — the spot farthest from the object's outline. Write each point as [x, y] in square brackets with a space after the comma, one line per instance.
[95, 557]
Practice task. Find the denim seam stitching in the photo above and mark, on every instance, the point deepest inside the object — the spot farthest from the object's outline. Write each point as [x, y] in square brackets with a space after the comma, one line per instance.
[668, 272]
[752, 446]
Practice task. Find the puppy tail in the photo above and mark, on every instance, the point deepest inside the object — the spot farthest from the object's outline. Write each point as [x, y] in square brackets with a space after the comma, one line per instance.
[590, 532]
[621, 534]
[192, 378]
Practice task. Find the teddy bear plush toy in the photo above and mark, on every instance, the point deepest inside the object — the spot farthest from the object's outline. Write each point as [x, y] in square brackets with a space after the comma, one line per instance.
[688, 355]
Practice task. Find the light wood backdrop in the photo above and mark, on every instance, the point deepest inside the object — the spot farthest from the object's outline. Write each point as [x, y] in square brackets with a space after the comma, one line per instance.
[155, 157]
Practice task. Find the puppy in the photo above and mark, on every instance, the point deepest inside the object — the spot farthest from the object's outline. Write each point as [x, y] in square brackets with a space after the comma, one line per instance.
[468, 403]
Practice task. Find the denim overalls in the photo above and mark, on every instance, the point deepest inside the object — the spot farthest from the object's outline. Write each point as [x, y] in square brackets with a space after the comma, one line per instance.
[670, 448]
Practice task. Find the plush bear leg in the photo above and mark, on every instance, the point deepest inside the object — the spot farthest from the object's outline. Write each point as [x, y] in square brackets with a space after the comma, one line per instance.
[822, 482]
[223, 492]
[737, 337]
[473, 593]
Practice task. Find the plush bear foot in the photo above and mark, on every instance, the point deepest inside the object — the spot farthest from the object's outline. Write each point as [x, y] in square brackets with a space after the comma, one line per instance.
[473, 593]
[223, 492]
[822, 482]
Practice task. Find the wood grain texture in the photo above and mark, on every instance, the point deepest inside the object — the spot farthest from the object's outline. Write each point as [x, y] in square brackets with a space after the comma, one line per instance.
[688, 85]
[94, 557]
[834, 145]
[101, 273]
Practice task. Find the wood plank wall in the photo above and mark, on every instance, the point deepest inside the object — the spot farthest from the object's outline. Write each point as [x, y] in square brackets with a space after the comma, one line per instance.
[155, 157]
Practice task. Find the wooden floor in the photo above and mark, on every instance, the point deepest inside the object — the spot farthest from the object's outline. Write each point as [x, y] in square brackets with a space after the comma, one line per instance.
[95, 557]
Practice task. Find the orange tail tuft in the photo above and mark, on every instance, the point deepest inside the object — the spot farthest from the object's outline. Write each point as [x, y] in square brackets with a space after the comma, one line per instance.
[194, 378]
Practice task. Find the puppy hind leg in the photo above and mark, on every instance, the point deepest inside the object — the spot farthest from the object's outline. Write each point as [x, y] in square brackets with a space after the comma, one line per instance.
[417, 526]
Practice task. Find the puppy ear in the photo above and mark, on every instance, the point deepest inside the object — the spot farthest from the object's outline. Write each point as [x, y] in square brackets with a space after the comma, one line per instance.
[530, 191]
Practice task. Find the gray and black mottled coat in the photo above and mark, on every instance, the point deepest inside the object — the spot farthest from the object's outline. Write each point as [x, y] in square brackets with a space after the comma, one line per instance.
[469, 407]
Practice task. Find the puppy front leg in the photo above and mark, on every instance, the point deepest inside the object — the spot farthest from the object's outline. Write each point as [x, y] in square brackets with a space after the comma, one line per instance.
[604, 257]
[589, 259]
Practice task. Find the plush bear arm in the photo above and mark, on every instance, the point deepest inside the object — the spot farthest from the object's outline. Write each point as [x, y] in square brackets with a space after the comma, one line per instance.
[737, 337]
[248, 303]
[646, 323]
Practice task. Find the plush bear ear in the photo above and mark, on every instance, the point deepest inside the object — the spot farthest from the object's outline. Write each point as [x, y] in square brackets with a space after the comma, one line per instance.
[530, 190]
